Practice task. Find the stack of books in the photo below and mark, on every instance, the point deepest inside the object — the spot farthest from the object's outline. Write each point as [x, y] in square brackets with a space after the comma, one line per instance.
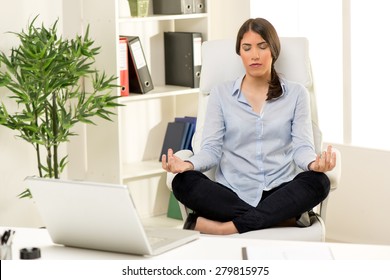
[178, 135]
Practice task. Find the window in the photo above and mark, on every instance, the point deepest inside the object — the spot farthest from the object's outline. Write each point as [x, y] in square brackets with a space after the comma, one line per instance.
[370, 57]
[321, 22]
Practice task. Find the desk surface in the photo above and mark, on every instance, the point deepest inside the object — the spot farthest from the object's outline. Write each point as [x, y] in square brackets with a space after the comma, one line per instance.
[205, 248]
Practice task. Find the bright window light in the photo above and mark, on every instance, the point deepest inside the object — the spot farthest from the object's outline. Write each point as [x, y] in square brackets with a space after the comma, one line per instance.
[321, 22]
[370, 57]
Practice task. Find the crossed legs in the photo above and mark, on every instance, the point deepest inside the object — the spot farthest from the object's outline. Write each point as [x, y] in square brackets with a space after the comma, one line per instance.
[221, 211]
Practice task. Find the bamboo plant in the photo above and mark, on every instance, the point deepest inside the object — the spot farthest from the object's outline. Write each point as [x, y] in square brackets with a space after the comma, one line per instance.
[46, 76]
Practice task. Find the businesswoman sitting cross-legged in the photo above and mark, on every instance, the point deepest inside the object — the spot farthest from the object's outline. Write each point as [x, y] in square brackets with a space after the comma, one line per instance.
[258, 133]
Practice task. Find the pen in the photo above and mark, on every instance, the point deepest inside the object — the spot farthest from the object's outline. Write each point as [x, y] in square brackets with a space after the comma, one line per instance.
[5, 237]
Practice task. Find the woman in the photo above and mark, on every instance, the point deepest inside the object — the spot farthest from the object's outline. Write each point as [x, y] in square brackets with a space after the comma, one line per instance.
[258, 133]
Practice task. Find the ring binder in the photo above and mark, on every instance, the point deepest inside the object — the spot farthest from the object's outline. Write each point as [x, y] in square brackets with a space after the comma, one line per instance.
[183, 58]
[140, 80]
[172, 7]
[199, 6]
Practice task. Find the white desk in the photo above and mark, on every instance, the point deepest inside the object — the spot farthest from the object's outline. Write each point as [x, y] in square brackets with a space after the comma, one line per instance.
[206, 248]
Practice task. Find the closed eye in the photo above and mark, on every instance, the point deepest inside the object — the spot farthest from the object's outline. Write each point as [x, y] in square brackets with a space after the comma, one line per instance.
[246, 47]
[263, 45]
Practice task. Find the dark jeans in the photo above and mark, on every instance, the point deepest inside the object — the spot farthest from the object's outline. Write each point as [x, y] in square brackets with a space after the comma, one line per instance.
[216, 202]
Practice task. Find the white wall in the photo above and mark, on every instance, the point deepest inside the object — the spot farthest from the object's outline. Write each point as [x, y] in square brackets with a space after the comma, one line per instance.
[227, 17]
[17, 158]
[358, 211]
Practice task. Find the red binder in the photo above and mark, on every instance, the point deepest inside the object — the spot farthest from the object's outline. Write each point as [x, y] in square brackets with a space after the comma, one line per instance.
[123, 66]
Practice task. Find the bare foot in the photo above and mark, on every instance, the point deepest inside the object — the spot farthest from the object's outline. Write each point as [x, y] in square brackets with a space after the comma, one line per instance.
[213, 227]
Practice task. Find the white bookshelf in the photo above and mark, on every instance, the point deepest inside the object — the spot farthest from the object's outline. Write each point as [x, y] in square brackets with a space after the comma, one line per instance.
[126, 151]
[159, 92]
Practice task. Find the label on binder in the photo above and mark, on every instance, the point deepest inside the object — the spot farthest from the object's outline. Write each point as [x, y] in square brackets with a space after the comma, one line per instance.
[197, 51]
[138, 55]
[123, 67]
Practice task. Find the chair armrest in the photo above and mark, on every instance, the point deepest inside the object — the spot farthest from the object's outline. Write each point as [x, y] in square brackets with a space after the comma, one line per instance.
[335, 174]
[183, 154]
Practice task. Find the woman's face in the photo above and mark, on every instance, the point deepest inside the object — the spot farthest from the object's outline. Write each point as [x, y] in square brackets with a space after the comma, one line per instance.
[256, 55]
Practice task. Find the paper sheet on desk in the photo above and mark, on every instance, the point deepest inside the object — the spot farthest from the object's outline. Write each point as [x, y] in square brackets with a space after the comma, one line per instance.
[288, 252]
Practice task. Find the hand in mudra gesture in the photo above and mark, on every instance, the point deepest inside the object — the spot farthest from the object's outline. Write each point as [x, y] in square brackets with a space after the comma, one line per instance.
[174, 164]
[324, 162]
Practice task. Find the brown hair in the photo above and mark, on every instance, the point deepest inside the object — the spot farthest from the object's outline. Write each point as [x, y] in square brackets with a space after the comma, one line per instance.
[267, 31]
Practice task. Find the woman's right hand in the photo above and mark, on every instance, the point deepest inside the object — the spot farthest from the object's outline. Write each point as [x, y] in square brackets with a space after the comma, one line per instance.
[174, 164]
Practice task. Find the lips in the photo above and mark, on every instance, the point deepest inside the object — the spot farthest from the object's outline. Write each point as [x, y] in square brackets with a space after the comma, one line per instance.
[255, 65]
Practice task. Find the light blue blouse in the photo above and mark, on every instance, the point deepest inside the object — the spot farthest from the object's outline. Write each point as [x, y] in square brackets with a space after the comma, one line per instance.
[255, 152]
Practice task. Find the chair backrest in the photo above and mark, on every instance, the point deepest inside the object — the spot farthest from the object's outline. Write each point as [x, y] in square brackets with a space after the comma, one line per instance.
[220, 63]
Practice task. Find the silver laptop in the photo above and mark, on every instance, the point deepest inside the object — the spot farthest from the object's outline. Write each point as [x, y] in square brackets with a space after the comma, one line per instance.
[99, 216]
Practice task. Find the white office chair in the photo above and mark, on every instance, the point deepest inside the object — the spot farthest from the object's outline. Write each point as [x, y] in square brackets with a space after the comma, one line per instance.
[221, 63]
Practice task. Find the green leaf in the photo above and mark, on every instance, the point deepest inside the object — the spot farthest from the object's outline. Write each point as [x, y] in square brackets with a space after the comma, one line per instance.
[25, 194]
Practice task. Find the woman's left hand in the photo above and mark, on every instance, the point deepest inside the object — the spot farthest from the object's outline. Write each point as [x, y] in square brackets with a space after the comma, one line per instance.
[324, 162]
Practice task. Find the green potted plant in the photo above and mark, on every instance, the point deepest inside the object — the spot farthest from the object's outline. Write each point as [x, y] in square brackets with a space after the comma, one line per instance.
[48, 77]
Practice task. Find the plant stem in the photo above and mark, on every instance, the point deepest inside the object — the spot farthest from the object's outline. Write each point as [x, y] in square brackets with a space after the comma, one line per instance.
[55, 135]
[39, 159]
[48, 161]
[48, 146]
[37, 146]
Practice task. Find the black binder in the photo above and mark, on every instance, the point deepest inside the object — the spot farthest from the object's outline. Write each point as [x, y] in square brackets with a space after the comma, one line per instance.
[183, 58]
[173, 7]
[140, 80]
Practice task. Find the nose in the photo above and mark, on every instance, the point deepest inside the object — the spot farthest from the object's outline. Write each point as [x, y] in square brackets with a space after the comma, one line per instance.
[255, 54]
